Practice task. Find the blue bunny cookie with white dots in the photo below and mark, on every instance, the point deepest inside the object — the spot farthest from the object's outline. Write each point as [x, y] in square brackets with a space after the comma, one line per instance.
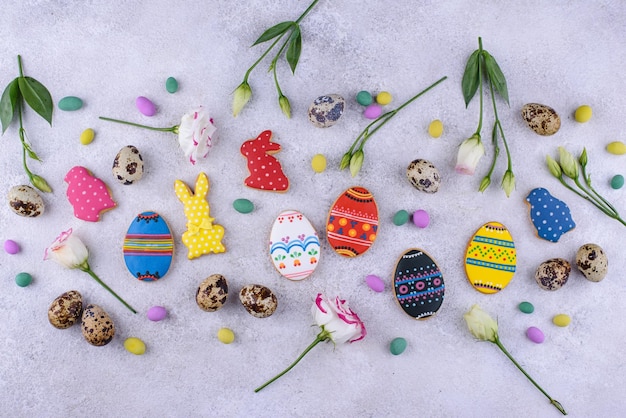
[550, 216]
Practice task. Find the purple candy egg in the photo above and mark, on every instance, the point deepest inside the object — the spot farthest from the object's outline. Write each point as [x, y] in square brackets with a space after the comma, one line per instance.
[11, 247]
[375, 283]
[535, 335]
[421, 218]
[373, 111]
[145, 106]
[157, 313]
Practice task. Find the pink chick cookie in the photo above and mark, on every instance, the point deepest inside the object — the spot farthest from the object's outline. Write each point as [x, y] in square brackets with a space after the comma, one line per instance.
[87, 194]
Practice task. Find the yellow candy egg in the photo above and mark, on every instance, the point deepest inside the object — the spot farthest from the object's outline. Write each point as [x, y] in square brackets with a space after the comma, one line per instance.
[435, 129]
[135, 345]
[561, 320]
[583, 114]
[616, 148]
[318, 163]
[226, 335]
[384, 98]
[87, 136]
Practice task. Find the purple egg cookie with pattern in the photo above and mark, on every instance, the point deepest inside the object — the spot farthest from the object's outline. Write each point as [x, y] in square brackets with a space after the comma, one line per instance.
[549, 215]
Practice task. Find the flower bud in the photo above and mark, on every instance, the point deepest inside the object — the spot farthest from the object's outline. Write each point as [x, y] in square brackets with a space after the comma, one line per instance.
[568, 163]
[470, 152]
[40, 183]
[554, 167]
[283, 101]
[345, 161]
[481, 325]
[583, 158]
[241, 96]
[508, 183]
[484, 184]
[356, 162]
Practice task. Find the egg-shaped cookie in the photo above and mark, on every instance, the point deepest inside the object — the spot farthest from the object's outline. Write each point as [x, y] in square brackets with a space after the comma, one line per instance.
[148, 247]
[294, 245]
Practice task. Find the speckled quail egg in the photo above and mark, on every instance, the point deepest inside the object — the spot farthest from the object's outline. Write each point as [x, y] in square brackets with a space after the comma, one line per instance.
[592, 262]
[212, 293]
[325, 111]
[258, 300]
[553, 274]
[98, 327]
[423, 175]
[128, 165]
[25, 201]
[541, 118]
[66, 309]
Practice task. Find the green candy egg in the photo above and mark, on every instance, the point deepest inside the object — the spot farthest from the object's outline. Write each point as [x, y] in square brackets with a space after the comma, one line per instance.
[617, 181]
[364, 98]
[397, 346]
[23, 279]
[243, 206]
[70, 103]
[171, 85]
[526, 307]
[401, 217]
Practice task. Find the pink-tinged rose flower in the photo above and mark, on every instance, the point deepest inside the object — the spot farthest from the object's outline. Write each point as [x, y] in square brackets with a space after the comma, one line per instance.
[336, 318]
[69, 251]
[470, 152]
[195, 134]
[338, 324]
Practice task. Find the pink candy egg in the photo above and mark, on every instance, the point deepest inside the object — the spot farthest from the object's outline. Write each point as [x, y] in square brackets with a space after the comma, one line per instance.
[11, 247]
[373, 111]
[145, 106]
[157, 313]
[535, 335]
[421, 218]
[375, 283]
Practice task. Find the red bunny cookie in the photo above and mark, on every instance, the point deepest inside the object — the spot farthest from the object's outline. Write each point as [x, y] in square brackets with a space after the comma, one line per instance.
[266, 173]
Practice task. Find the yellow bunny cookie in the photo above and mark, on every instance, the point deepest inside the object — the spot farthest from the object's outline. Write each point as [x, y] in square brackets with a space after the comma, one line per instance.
[202, 236]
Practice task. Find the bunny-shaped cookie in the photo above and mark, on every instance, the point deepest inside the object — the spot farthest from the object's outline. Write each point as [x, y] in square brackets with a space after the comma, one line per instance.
[266, 173]
[202, 236]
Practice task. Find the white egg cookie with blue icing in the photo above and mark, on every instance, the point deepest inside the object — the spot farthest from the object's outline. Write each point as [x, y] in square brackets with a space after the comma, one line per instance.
[418, 284]
[550, 216]
[490, 258]
[294, 245]
[148, 247]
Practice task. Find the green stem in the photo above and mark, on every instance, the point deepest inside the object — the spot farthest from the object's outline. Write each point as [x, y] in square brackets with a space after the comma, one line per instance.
[21, 133]
[496, 151]
[273, 66]
[19, 64]
[599, 203]
[480, 84]
[317, 340]
[554, 402]
[173, 129]
[588, 183]
[498, 125]
[245, 78]
[85, 267]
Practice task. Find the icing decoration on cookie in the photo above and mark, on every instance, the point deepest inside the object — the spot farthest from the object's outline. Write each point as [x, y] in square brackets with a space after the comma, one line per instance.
[88, 195]
[490, 259]
[266, 173]
[550, 216]
[352, 222]
[294, 245]
[418, 284]
[148, 247]
[202, 236]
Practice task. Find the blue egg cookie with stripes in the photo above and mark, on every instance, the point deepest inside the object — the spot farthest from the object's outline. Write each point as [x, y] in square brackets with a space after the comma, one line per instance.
[418, 284]
[148, 247]
[491, 258]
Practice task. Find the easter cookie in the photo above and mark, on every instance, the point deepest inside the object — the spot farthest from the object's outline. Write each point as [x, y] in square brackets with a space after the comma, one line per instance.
[266, 173]
[418, 284]
[294, 245]
[202, 236]
[148, 247]
[352, 222]
[490, 259]
[88, 195]
[550, 216]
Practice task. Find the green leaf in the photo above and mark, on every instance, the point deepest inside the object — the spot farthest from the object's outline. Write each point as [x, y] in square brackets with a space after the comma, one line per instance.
[471, 77]
[8, 104]
[495, 75]
[274, 31]
[37, 96]
[294, 48]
